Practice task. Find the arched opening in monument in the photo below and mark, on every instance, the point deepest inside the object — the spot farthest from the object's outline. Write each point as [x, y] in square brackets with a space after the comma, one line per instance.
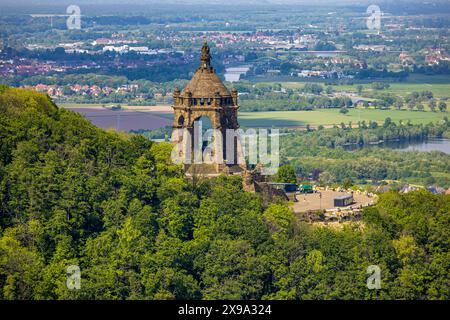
[181, 121]
[203, 132]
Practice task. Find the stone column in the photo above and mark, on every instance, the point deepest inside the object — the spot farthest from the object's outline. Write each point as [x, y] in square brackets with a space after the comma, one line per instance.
[216, 101]
[234, 95]
[187, 99]
[176, 97]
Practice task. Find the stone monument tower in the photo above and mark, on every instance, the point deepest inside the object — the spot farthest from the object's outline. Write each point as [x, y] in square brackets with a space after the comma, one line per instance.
[206, 96]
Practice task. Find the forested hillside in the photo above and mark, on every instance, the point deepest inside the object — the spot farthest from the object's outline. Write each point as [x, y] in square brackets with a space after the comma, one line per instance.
[72, 194]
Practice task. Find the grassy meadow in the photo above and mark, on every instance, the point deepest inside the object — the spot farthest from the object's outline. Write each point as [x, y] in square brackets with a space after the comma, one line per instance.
[302, 118]
[440, 90]
[333, 116]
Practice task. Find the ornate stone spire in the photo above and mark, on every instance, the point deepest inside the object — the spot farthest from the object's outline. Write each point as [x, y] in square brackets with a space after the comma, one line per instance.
[206, 83]
[205, 57]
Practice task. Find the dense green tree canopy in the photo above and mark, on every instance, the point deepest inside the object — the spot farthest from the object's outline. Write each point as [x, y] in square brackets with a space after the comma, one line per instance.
[114, 205]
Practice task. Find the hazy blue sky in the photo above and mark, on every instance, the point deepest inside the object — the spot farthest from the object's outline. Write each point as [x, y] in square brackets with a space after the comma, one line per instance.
[142, 6]
[55, 2]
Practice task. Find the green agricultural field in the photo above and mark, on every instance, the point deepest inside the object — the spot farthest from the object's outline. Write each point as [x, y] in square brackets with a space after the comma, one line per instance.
[314, 118]
[439, 86]
[333, 116]
[440, 90]
[328, 117]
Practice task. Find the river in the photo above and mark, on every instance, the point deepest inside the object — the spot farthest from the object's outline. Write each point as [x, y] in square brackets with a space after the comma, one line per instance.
[442, 145]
